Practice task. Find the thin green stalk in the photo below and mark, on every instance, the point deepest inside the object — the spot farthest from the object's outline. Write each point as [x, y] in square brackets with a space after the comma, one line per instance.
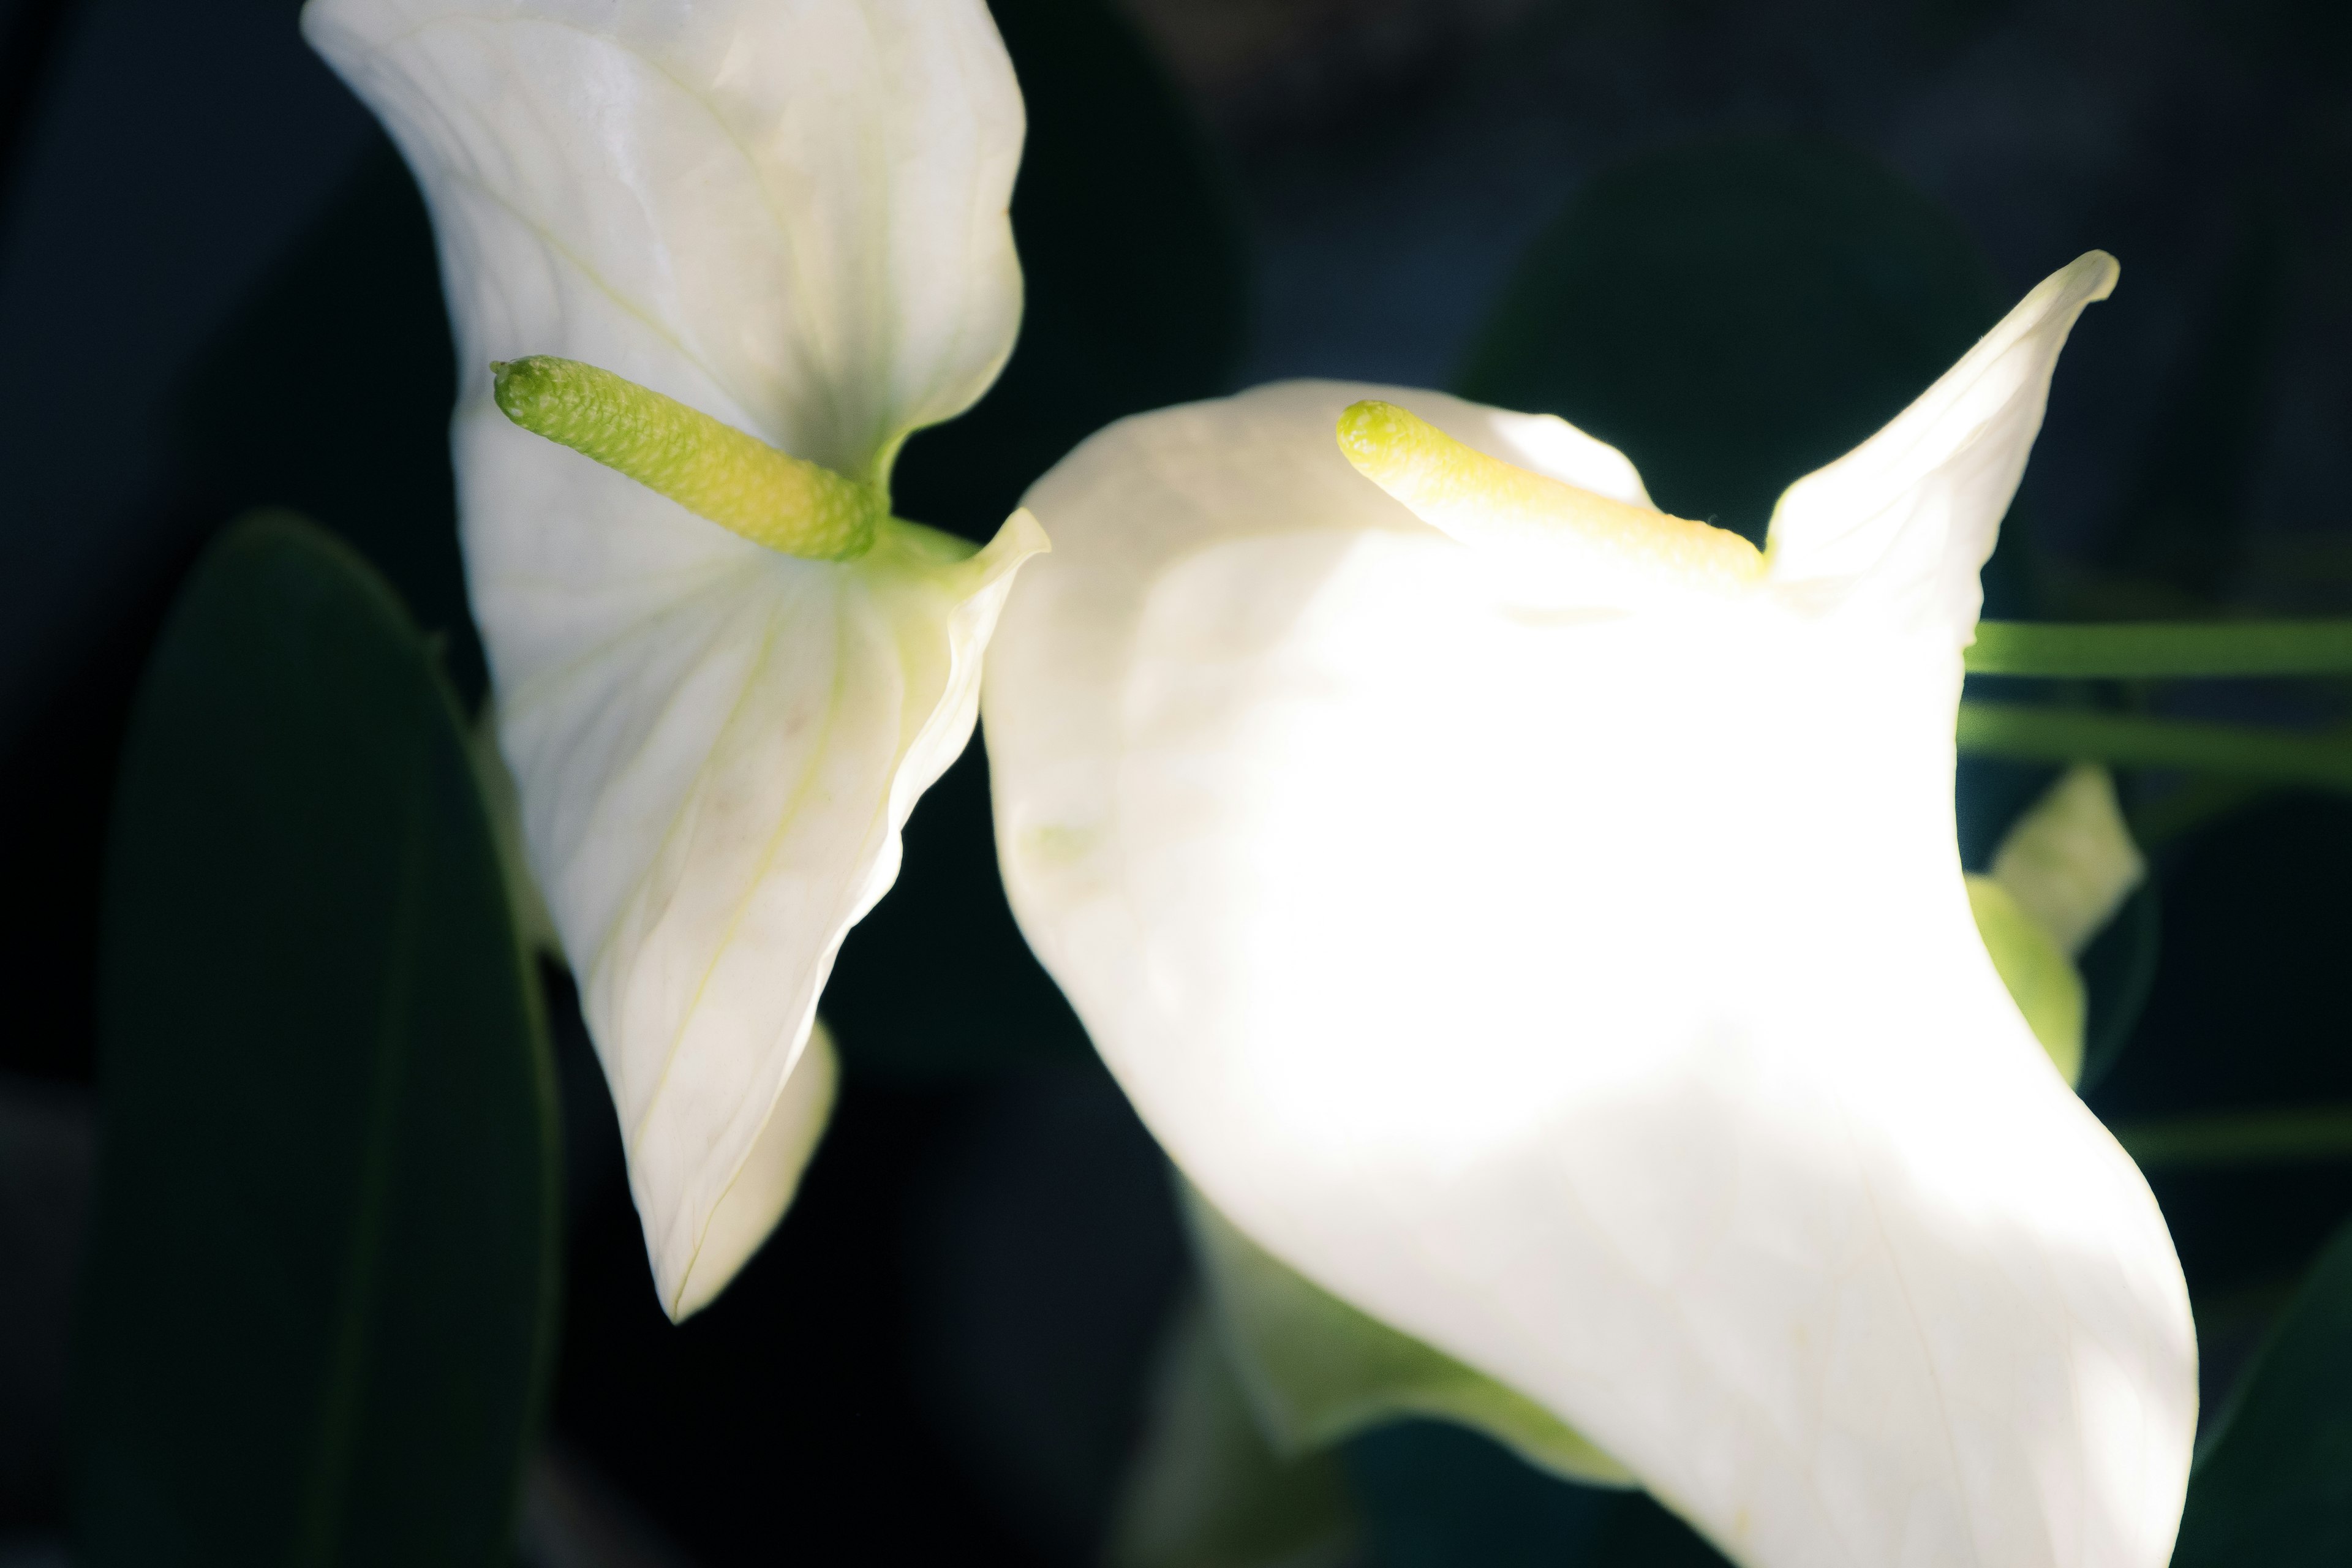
[2160, 650]
[2046, 734]
[2242, 1138]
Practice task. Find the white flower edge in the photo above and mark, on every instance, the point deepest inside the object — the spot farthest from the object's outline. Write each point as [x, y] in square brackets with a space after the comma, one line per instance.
[791, 216]
[744, 795]
[1719, 1136]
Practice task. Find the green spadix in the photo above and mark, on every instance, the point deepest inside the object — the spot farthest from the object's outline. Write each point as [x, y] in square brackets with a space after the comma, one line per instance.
[707, 466]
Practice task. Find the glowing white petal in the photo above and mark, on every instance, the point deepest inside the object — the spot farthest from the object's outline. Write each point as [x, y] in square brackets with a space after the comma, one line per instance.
[791, 216]
[1594, 995]
[1902, 523]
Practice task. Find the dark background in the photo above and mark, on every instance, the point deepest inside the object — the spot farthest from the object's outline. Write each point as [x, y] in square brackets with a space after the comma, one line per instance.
[942, 1354]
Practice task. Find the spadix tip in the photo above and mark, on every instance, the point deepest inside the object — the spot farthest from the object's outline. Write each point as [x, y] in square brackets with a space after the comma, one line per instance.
[1486, 502]
[1381, 438]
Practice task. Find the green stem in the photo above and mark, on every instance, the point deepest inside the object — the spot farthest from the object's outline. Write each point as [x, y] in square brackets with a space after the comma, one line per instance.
[2242, 1138]
[2042, 734]
[2155, 649]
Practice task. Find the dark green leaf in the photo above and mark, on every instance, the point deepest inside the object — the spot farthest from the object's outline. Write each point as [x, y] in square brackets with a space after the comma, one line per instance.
[2273, 1482]
[1641, 1534]
[329, 393]
[322, 1272]
[1434, 1495]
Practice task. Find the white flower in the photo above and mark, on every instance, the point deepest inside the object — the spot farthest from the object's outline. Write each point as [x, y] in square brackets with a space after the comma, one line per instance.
[790, 216]
[1538, 921]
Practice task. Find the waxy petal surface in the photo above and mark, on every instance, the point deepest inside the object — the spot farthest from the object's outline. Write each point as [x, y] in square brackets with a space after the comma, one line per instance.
[1593, 993]
[791, 216]
[1900, 526]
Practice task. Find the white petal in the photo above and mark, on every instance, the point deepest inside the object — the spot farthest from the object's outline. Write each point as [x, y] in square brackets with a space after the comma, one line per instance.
[1593, 997]
[716, 766]
[763, 1188]
[1902, 524]
[789, 214]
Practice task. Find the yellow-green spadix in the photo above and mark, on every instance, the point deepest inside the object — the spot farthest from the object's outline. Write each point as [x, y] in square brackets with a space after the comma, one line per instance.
[1539, 924]
[738, 249]
[712, 469]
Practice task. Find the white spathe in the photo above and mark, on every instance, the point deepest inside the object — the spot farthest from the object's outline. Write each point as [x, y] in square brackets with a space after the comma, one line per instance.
[1590, 990]
[793, 216]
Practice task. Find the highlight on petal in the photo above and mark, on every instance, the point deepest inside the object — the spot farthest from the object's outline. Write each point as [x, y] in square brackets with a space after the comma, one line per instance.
[1592, 997]
[1904, 523]
[786, 219]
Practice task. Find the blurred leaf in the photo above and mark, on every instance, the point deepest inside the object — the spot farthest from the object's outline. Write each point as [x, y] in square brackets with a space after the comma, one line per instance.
[1206, 1491]
[2041, 978]
[2274, 1481]
[2182, 525]
[1318, 1371]
[2118, 972]
[329, 393]
[319, 1302]
[1135, 299]
[1132, 254]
